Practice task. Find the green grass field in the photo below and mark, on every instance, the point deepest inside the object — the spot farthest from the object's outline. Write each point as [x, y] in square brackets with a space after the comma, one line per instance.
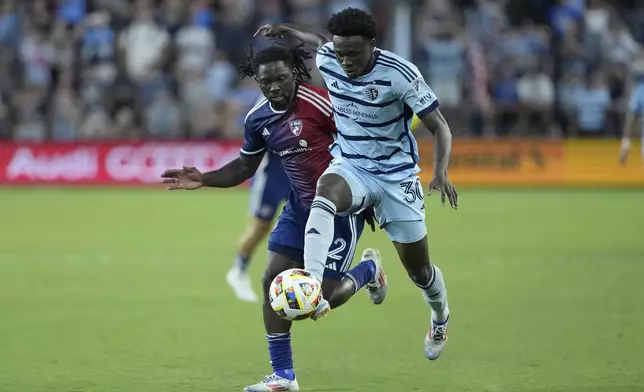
[123, 290]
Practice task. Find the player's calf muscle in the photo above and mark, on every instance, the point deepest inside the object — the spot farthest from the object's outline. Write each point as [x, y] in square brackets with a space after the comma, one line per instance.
[336, 189]
[415, 258]
[252, 237]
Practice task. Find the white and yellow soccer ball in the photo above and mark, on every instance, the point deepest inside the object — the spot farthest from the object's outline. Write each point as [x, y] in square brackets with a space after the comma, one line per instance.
[295, 294]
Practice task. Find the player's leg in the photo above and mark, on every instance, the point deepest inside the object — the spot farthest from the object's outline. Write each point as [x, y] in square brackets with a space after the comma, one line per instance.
[402, 213]
[277, 332]
[368, 272]
[237, 276]
[429, 278]
[285, 246]
[339, 191]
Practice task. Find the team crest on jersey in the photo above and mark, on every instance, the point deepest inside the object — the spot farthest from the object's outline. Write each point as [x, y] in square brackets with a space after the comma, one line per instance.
[371, 92]
[296, 127]
[416, 85]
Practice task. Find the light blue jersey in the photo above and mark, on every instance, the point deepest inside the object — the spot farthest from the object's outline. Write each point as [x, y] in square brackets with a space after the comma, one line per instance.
[373, 113]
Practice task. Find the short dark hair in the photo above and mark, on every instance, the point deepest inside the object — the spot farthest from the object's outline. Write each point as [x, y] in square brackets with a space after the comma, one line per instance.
[294, 57]
[352, 21]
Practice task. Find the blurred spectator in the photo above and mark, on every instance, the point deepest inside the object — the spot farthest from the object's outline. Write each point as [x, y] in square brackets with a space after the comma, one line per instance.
[445, 51]
[592, 105]
[38, 56]
[536, 93]
[66, 113]
[220, 77]
[163, 117]
[506, 97]
[98, 48]
[572, 51]
[145, 45]
[570, 88]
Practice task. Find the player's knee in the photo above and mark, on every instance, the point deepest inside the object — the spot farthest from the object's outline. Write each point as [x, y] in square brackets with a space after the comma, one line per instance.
[336, 189]
[421, 276]
[261, 228]
[267, 279]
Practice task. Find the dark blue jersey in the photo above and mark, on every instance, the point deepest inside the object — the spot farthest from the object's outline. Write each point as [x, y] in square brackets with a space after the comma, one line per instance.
[300, 136]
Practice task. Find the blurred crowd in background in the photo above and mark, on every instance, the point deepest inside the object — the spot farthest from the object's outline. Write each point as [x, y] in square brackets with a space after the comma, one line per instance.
[166, 69]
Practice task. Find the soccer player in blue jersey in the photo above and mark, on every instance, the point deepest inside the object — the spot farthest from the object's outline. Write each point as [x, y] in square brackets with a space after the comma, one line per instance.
[268, 189]
[294, 122]
[375, 94]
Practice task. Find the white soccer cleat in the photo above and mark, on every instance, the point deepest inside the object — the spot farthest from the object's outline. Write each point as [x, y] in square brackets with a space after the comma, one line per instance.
[274, 383]
[240, 283]
[377, 288]
[435, 340]
[322, 310]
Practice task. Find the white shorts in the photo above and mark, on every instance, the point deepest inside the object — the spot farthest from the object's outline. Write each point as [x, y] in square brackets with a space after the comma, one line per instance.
[399, 205]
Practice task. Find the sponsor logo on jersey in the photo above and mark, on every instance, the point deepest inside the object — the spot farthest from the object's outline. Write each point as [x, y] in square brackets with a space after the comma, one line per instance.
[425, 99]
[296, 127]
[351, 110]
[303, 147]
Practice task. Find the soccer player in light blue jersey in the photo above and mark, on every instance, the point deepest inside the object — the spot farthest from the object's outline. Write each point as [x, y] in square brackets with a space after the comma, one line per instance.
[375, 94]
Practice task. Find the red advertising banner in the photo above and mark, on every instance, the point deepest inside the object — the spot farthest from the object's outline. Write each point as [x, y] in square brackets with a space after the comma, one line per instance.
[107, 163]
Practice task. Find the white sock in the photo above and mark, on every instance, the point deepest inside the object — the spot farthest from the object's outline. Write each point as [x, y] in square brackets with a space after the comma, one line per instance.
[435, 294]
[319, 234]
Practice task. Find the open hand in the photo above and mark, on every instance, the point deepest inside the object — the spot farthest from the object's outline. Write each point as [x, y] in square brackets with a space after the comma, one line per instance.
[271, 30]
[188, 178]
[445, 187]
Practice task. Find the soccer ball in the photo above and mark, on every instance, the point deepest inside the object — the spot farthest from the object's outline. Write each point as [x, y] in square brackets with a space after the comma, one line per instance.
[294, 294]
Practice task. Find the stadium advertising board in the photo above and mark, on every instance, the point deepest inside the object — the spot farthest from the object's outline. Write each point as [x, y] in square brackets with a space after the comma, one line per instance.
[534, 163]
[474, 162]
[118, 163]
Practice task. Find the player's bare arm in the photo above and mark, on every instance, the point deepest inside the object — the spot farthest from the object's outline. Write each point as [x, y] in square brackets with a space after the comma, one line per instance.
[438, 126]
[278, 30]
[232, 174]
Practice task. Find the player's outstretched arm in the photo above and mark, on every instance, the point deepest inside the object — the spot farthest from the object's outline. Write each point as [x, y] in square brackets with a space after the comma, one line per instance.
[230, 175]
[438, 126]
[277, 30]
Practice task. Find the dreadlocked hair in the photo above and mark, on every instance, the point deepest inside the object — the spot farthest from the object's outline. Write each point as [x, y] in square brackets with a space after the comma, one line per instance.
[293, 56]
[352, 21]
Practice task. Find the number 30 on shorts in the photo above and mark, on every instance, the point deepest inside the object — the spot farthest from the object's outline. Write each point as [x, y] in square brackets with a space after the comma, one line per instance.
[413, 190]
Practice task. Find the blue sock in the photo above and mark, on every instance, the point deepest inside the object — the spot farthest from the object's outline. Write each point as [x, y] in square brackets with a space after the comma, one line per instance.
[242, 262]
[362, 273]
[279, 348]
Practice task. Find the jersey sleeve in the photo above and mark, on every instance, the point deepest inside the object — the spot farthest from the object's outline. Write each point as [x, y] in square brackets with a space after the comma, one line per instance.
[325, 54]
[636, 102]
[414, 91]
[254, 144]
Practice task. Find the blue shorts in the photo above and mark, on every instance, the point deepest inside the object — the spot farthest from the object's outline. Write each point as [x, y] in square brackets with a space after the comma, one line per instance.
[287, 238]
[268, 188]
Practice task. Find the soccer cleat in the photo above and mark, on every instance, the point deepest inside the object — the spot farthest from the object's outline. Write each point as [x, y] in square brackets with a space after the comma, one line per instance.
[274, 383]
[322, 310]
[240, 283]
[435, 340]
[377, 288]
